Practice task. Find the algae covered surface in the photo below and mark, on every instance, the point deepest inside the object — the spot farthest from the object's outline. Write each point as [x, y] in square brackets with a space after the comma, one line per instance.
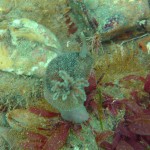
[74, 75]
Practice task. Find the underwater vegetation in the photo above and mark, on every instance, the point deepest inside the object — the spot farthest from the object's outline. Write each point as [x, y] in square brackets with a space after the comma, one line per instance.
[48, 131]
[55, 95]
[132, 131]
[39, 126]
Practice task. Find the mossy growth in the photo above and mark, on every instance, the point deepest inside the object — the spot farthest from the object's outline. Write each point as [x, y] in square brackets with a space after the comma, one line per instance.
[19, 91]
[118, 61]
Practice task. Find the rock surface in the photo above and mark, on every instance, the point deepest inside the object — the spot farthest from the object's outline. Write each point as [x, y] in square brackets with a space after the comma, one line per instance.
[27, 47]
[111, 17]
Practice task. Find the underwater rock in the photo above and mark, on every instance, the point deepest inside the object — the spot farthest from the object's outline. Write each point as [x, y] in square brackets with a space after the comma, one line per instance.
[27, 47]
[110, 17]
[19, 91]
[30, 30]
[20, 119]
[66, 77]
[12, 139]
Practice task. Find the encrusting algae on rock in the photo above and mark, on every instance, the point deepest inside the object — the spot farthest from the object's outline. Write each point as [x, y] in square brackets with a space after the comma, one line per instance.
[30, 47]
[5, 60]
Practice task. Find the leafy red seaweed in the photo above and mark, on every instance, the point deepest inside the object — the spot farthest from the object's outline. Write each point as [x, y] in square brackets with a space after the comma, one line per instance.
[123, 145]
[43, 112]
[129, 106]
[133, 77]
[147, 84]
[100, 137]
[92, 83]
[72, 28]
[106, 145]
[35, 141]
[58, 137]
[55, 139]
[137, 144]
[133, 131]
[91, 91]
[140, 126]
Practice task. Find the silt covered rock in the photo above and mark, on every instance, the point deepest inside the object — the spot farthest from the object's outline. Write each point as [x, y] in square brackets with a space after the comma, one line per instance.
[27, 47]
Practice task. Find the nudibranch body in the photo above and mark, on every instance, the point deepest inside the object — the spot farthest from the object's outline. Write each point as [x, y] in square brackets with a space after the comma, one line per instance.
[65, 79]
